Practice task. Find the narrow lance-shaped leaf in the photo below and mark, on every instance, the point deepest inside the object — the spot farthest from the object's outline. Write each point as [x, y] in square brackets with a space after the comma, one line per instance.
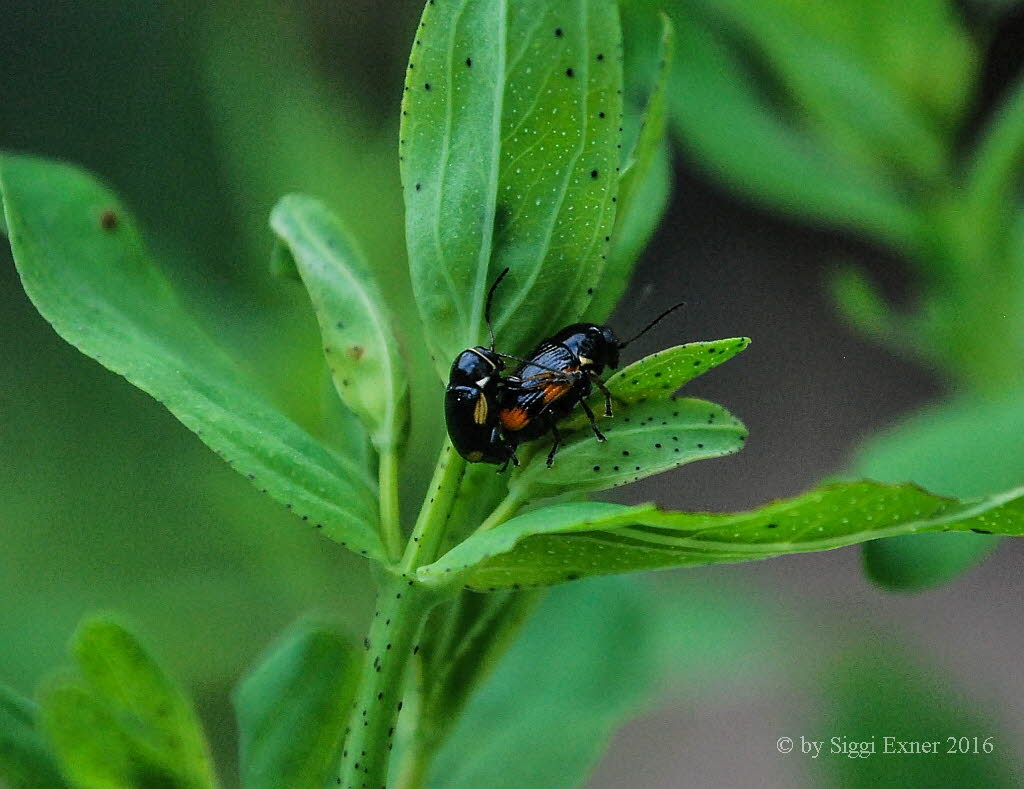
[664, 372]
[509, 156]
[643, 187]
[994, 178]
[720, 117]
[25, 759]
[292, 710]
[851, 110]
[84, 265]
[359, 339]
[643, 439]
[568, 541]
[122, 722]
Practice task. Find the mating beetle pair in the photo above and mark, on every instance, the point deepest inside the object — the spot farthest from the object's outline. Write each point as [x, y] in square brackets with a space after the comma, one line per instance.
[489, 415]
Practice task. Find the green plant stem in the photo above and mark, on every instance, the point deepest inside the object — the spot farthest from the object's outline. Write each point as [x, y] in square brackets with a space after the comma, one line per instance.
[428, 533]
[505, 510]
[390, 514]
[402, 607]
[415, 767]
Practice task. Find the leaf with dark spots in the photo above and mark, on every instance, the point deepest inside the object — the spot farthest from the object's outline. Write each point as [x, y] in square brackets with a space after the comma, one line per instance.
[545, 546]
[643, 182]
[355, 324]
[104, 295]
[645, 431]
[515, 130]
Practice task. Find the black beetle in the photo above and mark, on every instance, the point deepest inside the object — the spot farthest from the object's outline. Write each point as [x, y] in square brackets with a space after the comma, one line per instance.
[557, 375]
[488, 415]
[471, 400]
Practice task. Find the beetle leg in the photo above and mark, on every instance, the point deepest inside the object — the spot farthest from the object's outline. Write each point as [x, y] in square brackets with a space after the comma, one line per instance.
[593, 422]
[558, 440]
[495, 437]
[606, 393]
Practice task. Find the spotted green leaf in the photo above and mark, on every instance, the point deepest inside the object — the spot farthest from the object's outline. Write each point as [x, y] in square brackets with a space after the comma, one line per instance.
[120, 722]
[643, 185]
[642, 439]
[568, 541]
[357, 331]
[510, 126]
[664, 372]
[292, 710]
[84, 265]
[25, 759]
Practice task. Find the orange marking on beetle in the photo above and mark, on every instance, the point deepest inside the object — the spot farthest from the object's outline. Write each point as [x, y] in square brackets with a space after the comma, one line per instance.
[555, 391]
[514, 418]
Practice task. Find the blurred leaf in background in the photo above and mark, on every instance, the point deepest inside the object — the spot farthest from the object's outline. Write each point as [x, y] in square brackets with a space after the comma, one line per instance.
[861, 687]
[107, 502]
[596, 654]
[863, 115]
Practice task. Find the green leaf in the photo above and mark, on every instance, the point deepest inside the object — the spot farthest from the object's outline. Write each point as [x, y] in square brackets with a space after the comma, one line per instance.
[664, 372]
[25, 759]
[859, 301]
[569, 541]
[470, 638]
[643, 439]
[509, 152]
[282, 264]
[592, 656]
[292, 710]
[643, 187]
[124, 676]
[84, 266]
[919, 49]
[967, 448]
[95, 750]
[994, 176]
[861, 688]
[123, 723]
[849, 108]
[359, 339]
[723, 120]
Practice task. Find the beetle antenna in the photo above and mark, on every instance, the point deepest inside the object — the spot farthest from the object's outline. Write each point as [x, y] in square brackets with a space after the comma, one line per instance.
[652, 324]
[487, 306]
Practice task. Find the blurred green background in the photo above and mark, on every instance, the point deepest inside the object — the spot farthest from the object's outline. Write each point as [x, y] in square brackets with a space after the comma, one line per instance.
[827, 200]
